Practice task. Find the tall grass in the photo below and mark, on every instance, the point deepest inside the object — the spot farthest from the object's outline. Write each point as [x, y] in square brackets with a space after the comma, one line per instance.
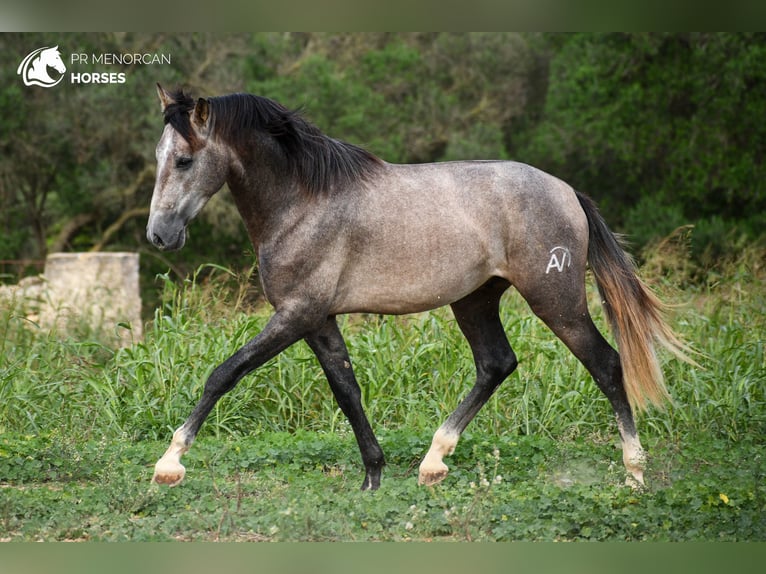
[413, 370]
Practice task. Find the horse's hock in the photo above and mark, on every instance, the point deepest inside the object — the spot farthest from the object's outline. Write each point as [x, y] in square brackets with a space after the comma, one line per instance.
[98, 291]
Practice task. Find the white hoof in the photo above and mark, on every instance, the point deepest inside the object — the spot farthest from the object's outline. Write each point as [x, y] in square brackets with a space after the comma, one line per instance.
[169, 473]
[635, 480]
[432, 469]
[432, 474]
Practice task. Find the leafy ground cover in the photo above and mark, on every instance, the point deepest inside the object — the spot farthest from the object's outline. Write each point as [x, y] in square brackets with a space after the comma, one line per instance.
[304, 487]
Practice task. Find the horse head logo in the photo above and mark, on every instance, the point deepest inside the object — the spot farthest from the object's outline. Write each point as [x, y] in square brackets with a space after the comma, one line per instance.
[34, 68]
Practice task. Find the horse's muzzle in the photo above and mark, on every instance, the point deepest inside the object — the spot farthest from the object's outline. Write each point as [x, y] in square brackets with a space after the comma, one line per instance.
[166, 232]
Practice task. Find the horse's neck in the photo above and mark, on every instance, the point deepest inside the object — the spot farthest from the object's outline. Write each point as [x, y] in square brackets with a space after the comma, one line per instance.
[265, 204]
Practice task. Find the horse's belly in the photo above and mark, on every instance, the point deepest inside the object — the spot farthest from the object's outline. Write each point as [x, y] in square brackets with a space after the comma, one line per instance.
[400, 302]
[411, 287]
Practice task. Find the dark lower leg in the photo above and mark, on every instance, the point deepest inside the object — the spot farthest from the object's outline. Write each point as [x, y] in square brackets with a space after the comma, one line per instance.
[580, 335]
[330, 349]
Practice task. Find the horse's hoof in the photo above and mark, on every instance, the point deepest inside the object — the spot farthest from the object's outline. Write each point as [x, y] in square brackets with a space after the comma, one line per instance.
[431, 476]
[168, 474]
[635, 481]
[371, 481]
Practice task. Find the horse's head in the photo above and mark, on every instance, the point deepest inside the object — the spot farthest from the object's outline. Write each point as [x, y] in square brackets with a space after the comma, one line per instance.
[52, 57]
[34, 68]
[191, 168]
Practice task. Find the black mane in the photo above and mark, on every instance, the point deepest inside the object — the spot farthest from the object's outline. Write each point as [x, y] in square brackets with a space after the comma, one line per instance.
[320, 163]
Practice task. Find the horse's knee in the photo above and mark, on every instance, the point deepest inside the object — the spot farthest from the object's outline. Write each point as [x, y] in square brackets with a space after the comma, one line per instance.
[221, 381]
[497, 367]
[508, 364]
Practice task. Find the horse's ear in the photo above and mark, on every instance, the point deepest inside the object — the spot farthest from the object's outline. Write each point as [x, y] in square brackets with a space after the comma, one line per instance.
[201, 113]
[165, 98]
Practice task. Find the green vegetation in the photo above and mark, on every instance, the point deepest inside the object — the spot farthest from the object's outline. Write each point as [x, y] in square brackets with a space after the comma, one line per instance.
[81, 426]
[303, 487]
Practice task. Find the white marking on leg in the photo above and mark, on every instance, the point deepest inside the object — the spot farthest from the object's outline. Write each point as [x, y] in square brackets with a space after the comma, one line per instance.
[633, 457]
[169, 469]
[432, 469]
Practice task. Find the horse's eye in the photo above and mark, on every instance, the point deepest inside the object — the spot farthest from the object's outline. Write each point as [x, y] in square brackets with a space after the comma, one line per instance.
[183, 162]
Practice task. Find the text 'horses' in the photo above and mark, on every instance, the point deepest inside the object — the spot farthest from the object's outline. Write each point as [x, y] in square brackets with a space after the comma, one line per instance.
[337, 230]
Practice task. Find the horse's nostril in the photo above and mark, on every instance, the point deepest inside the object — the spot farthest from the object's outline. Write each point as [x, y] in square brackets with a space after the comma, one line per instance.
[157, 240]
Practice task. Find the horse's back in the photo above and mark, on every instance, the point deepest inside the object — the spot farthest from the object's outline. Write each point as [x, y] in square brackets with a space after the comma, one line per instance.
[514, 206]
[503, 185]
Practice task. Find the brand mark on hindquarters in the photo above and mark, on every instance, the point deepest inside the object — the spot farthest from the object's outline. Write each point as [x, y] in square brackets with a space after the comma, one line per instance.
[560, 258]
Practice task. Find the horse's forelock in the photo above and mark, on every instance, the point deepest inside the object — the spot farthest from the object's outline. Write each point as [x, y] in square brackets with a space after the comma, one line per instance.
[177, 113]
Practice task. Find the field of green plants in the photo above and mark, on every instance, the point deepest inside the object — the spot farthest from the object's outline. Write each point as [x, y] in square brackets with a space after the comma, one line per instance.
[81, 426]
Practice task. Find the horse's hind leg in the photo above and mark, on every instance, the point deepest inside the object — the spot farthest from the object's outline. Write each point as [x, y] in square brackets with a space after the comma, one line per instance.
[564, 310]
[478, 317]
[329, 347]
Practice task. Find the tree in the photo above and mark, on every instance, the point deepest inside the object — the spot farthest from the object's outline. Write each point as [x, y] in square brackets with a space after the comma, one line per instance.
[660, 125]
[407, 97]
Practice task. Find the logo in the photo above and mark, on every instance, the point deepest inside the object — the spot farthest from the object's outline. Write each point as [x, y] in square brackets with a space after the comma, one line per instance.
[45, 67]
[560, 257]
[35, 68]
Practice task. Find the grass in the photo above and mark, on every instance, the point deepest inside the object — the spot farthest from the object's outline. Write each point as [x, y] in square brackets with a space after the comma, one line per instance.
[304, 487]
[81, 425]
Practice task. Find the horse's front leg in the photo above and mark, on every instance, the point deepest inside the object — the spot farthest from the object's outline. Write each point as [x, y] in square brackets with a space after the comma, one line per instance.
[330, 348]
[282, 330]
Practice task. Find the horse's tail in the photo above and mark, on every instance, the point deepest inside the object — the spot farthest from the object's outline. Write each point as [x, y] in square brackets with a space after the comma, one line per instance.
[634, 313]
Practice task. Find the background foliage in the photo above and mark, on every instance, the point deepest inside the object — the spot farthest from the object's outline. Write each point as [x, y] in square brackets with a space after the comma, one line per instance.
[663, 129]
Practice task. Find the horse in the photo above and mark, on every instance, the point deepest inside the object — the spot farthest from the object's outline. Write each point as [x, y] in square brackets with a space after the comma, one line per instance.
[337, 230]
[34, 67]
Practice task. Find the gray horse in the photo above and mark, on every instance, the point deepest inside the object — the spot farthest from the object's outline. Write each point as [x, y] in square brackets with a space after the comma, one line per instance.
[337, 230]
